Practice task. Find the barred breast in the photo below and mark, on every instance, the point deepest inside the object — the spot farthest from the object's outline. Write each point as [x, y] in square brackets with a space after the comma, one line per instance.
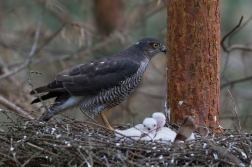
[111, 97]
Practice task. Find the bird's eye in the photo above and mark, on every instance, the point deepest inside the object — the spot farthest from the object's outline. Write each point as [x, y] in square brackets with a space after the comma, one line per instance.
[155, 45]
[154, 125]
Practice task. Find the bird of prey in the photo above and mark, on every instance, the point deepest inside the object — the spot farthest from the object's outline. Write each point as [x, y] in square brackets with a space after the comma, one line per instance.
[185, 132]
[160, 118]
[145, 131]
[163, 134]
[101, 84]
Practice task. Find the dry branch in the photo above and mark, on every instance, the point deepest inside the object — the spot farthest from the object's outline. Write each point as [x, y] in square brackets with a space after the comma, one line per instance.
[30, 55]
[80, 144]
[235, 82]
[235, 111]
[9, 105]
[228, 34]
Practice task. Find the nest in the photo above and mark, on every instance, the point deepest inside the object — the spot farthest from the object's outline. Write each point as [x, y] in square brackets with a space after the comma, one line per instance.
[74, 143]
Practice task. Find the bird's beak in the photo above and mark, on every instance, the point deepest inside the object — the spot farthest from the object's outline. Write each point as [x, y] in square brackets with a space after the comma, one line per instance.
[149, 128]
[163, 49]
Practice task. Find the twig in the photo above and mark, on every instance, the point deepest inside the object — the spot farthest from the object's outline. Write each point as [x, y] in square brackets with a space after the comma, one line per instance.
[228, 34]
[233, 117]
[224, 47]
[235, 110]
[30, 83]
[10, 158]
[78, 53]
[223, 152]
[4, 69]
[51, 38]
[239, 47]
[31, 54]
[86, 146]
[11, 106]
[240, 28]
[28, 160]
[82, 156]
[41, 149]
[88, 115]
[37, 50]
[233, 47]
[235, 82]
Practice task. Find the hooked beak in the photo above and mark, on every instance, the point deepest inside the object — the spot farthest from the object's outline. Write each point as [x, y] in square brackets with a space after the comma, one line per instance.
[163, 49]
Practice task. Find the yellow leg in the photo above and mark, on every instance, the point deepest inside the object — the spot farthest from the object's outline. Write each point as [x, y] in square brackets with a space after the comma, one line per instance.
[105, 121]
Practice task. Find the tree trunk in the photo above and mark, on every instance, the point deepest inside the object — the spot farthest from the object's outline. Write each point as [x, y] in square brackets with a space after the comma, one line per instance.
[193, 43]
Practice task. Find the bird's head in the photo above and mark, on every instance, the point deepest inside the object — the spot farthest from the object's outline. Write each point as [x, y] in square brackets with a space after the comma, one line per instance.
[150, 46]
[160, 118]
[150, 124]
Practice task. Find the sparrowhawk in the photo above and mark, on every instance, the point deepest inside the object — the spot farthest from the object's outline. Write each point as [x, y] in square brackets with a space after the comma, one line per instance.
[101, 84]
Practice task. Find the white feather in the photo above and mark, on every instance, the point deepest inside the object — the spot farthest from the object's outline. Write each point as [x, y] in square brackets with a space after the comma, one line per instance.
[163, 133]
[160, 118]
[71, 102]
[192, 137]
[145, 131]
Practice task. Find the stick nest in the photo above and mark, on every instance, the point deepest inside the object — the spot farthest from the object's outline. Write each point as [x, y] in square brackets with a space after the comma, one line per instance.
[73, 143]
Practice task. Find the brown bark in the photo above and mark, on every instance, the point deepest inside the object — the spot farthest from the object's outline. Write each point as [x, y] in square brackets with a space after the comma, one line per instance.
[108, 15]
[193, 43]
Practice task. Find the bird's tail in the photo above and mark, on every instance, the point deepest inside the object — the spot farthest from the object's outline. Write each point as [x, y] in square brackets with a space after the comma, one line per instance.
[48, 114]
[62, 103]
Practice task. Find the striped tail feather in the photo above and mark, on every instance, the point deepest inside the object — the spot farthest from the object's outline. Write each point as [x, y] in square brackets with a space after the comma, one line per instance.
[47, 96]
[40, 90]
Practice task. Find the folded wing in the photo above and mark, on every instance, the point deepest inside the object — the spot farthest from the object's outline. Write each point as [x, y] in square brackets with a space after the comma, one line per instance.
[91, 78]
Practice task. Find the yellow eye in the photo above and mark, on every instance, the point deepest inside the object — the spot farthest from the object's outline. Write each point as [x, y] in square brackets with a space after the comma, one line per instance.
[155, 45]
